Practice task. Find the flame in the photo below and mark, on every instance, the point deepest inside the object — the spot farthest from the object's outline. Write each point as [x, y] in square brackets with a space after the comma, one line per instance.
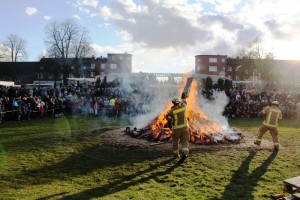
[202, 128]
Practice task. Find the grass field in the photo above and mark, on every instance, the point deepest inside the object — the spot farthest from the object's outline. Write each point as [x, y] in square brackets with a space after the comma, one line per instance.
[62, 159]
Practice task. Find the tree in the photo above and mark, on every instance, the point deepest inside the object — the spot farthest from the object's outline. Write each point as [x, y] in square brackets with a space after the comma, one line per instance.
[254, 58]
[104, 83]
[67, 40]
[221, 84]
[208, 83]
[16, 47]
[4, 55]
[98, 82]
[228, 84]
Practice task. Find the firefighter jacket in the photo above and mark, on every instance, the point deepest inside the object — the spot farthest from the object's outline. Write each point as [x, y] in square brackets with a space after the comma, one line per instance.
[177, 117]
[272, 116]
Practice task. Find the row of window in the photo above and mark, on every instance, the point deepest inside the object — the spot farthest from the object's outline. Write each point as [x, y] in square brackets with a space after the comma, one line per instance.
[50, 76]
[118, 57]
[103, 66]
[215, 60]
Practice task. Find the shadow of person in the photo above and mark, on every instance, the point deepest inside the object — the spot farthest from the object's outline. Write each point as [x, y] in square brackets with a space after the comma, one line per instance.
[125, 182]
[242, 184]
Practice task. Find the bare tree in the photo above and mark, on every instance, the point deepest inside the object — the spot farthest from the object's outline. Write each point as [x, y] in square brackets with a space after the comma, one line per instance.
[3, 53]
[16, 47]
[67, 42]
[255, 59]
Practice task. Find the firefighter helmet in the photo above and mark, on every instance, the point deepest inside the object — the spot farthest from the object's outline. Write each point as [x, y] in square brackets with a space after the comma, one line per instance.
[176, 100]
[275, 103]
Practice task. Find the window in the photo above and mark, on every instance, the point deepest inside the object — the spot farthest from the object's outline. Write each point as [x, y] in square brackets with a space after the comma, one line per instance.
[198, 68]
[230, 77]
[236, 78]
[40, 75]
[92, 74]
[237, 69]
[223, 69]
[93, 66]
[113, 66]
[41, 67]
[102, 66]
[72, 67]
[213, 68]
[213, 60]
[229, 68]
[121, 57]
[223, 59]
[113, 57]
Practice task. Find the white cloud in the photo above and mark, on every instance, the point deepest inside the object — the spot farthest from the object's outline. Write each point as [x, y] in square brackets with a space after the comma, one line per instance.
[104, 25]
[76, 17]
[92, 3]
[165, 35]
[85, 5]
[31, 11]
[46, 17]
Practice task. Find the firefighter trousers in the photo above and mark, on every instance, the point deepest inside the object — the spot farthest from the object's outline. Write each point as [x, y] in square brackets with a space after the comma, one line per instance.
[182, 136]
[273, 131]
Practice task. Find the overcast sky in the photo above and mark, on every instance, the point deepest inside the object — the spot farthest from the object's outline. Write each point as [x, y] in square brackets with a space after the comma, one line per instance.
[162, 35]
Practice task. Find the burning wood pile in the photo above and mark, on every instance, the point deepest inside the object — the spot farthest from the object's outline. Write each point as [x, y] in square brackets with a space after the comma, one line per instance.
[203, 130]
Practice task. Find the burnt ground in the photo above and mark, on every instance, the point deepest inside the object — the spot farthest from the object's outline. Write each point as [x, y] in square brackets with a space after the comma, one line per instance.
[118, 138]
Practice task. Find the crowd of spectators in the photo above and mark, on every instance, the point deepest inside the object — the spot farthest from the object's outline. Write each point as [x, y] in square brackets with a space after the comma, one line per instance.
[248, 103]
[114, 101]
[27, 103]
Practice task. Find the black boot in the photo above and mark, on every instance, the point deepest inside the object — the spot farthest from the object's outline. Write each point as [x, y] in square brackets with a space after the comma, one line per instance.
[182, 159]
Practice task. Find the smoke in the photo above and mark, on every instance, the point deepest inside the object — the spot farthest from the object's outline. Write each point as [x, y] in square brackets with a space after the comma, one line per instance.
[147, 90]
[214, 109]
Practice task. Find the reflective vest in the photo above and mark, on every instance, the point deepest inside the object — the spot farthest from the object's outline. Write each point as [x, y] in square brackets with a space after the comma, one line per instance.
[272, 117]
[179, 118]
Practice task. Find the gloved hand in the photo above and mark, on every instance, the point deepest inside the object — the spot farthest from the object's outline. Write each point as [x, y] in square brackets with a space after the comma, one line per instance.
[170, 125]
[183, 96]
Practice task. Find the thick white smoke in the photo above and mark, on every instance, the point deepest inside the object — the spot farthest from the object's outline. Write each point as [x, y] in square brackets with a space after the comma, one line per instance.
[214, 109]
[160, 93]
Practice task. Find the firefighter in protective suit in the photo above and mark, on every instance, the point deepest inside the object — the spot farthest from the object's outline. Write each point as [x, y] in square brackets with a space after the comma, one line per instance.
[177, 122]
[272, 115]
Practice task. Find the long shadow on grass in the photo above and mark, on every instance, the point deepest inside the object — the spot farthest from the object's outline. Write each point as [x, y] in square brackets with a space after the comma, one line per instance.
[126, 182]
[242, 184]
[90, 159]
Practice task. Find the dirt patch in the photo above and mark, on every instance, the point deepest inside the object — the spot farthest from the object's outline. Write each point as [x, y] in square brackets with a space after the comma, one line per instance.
[118, 138]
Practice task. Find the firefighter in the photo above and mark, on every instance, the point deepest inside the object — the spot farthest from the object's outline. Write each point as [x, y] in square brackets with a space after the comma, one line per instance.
[177, 122]
[272, 115]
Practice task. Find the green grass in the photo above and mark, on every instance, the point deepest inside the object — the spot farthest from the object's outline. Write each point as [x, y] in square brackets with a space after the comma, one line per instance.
[62, 159]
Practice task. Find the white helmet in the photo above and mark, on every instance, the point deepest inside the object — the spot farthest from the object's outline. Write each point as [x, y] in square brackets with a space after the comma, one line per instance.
[176, 100]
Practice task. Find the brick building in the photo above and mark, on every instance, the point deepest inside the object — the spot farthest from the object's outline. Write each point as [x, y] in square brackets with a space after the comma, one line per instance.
[52, 69]
[280, 73]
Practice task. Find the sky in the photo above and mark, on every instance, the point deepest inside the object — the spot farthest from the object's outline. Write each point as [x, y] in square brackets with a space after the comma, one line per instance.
[162, 35]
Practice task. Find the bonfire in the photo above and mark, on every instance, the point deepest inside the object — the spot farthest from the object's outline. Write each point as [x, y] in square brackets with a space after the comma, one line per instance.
[202, 129]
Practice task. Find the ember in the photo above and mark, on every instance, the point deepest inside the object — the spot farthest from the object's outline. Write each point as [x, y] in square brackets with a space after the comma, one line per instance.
[203, 130]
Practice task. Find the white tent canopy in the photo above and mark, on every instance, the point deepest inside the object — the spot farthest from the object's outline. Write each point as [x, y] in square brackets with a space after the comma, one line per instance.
[7, 83]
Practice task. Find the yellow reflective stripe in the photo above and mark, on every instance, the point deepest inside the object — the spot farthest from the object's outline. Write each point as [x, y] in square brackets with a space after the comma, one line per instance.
[178, 110]
[176, 120]
[267, 122]
[175, 112]
[180, 126]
